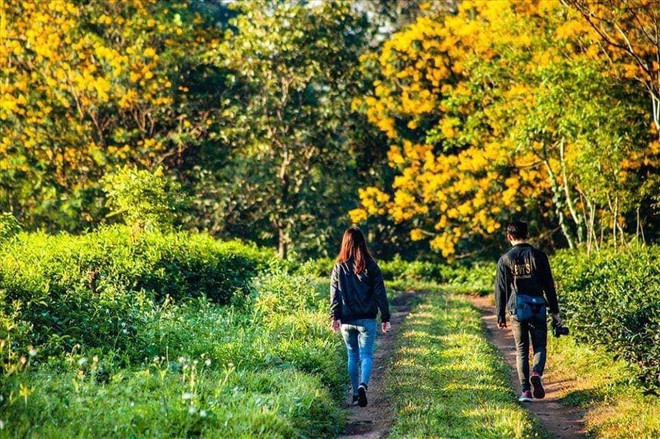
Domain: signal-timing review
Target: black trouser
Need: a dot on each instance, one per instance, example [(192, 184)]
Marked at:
[(537, 330)]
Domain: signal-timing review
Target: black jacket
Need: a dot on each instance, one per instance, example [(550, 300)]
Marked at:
[(354, 297), (523, 270)]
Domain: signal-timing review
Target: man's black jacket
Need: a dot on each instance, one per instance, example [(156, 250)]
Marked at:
[(354, 296), (523, 270)]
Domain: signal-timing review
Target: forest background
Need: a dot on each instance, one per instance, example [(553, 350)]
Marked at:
[(429, 123)]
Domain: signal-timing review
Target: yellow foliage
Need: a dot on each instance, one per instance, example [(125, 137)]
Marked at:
[(416, 234), (474, 188)]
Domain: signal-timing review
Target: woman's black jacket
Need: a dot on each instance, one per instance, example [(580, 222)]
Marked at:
[(354, 296)]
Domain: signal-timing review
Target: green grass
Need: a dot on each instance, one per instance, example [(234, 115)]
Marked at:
[(447, 381), (250, 370), (615, 406)]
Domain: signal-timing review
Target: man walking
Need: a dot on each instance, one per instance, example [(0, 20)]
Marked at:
[(523, 276)]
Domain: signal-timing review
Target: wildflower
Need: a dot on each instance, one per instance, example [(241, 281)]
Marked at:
[(2, 424), (192, 410), (202, 413), (82, 361), (187, 395), (208, 362), (32, 352), (95, 359)]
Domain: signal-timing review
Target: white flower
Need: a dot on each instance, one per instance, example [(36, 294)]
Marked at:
[(2, 424), (187, 395), (95, 359), (82, 361), (202, 413), (32, 352), (192, 410), (208, 362)]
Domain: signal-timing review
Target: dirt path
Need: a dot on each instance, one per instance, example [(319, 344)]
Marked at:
[(375, 420), (559, 420)]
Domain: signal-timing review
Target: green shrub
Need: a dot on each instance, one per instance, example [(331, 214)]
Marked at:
[(145, 200), (163, 334), (477, 277), (612, 299), (398, 269), (96, 289), (321, 267), (9, 226)]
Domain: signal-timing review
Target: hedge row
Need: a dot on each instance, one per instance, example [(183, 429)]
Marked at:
[(612, 299), (459, 278), (113, 335), (94, 289)]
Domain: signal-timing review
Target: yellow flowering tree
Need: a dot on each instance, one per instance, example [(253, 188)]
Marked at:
[(84, 87), (504, 109)]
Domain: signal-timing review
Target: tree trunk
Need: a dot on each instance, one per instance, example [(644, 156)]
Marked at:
[(283, 243), (577, 218), (557, 195)]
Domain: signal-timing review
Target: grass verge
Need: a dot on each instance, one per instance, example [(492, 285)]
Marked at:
[(448, 381), (615, 406), (269, 367)]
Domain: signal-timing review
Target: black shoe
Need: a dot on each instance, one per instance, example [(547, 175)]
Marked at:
[(362, 395), (537, 386), (355, 401)]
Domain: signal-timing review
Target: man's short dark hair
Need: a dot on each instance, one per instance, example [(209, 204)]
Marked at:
[(518, 230)]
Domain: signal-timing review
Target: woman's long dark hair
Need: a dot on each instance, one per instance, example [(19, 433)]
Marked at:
[(354, 247)]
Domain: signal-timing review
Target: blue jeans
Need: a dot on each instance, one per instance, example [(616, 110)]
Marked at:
[(359, 336)]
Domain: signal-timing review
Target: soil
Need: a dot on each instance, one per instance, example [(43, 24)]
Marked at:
[(562, 421), (375, 420)]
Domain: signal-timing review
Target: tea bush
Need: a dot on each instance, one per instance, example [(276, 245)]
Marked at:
[(262, 366), (612, 299), (477, 277), (398, 269), (9, 226), (95, 290)]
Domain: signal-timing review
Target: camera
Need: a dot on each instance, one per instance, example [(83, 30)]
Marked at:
[(558, 331)]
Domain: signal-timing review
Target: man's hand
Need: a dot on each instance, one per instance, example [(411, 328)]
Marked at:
[(386, 326), (501, 324), (557, 320), (336, 325)]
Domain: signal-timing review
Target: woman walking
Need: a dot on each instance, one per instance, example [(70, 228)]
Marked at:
[(357, 293)]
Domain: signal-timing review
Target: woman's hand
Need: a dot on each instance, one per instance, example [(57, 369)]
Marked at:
[(386, 326), (335, 325)]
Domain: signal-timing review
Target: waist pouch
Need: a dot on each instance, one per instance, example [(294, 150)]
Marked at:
[(530, 307)]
